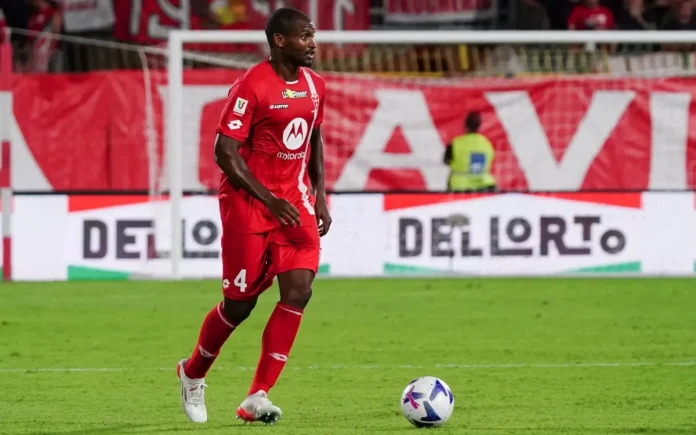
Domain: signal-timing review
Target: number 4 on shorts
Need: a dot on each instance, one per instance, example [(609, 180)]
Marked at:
[(240, 281)]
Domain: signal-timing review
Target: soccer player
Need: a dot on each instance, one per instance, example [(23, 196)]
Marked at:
[(269, 149)]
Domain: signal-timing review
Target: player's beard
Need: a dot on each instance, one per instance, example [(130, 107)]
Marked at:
[(306, 59)]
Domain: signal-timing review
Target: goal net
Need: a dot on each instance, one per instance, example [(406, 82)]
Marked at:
[(595, 112)]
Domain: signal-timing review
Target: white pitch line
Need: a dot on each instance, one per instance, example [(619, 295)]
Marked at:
[(366, 367)]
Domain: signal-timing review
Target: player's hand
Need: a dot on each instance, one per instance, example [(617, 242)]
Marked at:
[(285, 212), (321, 210)]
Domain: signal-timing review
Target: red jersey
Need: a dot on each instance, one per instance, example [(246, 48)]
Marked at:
[(597, 18), (274, 120)]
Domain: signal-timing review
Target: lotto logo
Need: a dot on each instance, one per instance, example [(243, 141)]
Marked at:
[(225, 283), (234, 125), (279, 356), (295, 133), (289, 93)]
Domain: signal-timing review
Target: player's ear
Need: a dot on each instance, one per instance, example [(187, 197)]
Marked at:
[(279, 40)]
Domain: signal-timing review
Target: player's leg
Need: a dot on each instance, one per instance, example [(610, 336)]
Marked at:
[(296, 264), (244, 278), (282, 327)]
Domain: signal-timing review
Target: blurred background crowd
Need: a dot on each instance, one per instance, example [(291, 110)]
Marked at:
[(48, 34)]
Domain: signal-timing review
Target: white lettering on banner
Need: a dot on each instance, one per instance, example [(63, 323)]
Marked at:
[(442, 11), (136, 12), (408, 110), (321, 12), (669, 113), (155, 28), (29, 175), (84, 15), (340, 7), (195, 99), (531, 145), (261, 6)]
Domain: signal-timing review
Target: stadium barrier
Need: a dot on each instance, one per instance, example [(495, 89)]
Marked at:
[(77, 237)]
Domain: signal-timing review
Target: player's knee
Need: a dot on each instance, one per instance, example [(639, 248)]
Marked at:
[(238, 311), (298, 296)]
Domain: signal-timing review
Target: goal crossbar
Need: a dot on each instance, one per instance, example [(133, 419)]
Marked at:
[(178, 37)]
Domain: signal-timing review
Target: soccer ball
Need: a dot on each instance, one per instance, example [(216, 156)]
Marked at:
[(427, 402)]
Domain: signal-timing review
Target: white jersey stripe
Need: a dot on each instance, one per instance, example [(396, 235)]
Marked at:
[(301, 185)]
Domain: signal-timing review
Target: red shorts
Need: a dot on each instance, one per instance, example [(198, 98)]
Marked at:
[(250, 261)]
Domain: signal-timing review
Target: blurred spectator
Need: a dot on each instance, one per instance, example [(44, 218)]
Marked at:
[(635, 16), (14, 13), (660, 8), (530, 15), (558, 12), (590, 15), (46, 21), (93, 19), (680, 17)]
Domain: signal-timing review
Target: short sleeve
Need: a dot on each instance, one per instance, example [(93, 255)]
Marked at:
[(321, 92), (238, 115), (320, 113)]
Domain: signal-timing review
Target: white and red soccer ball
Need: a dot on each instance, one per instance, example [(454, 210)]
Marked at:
[(427, 402)]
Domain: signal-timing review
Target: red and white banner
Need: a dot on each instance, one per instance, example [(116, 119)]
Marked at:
[(326, 14), (148, 21), (439, 11), (93, 131), (127, 237)]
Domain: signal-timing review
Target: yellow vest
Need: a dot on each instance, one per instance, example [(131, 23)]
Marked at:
[(472, 155)]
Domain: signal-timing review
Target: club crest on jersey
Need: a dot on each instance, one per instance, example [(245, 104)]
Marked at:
[(289, 93), (295, 133), (240, 106)]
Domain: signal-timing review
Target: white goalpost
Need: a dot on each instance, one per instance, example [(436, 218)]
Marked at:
[(593, 55)]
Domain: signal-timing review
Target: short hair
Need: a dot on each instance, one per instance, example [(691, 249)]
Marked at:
[(283, 21), (473, 121)]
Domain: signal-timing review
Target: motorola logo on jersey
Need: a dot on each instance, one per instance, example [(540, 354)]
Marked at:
[(291, 156), (295, 134)]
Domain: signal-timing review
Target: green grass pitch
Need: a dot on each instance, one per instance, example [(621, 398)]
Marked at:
[(522, 356)]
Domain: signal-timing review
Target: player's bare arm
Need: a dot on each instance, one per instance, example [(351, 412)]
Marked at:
[(316, 176), (235, 168)]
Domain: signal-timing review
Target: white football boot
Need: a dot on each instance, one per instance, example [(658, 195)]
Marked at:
[(257, 407), (192, 395)]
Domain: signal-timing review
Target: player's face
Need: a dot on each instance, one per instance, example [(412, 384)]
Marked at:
[(301, 47)]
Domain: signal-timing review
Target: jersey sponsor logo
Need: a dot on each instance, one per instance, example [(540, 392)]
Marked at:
[(279, 106), (235, 124), (289, 93), (291, 156), (295, 133), (240, 106)]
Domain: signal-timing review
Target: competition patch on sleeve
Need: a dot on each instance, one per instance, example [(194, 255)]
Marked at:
[(240, 106)]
